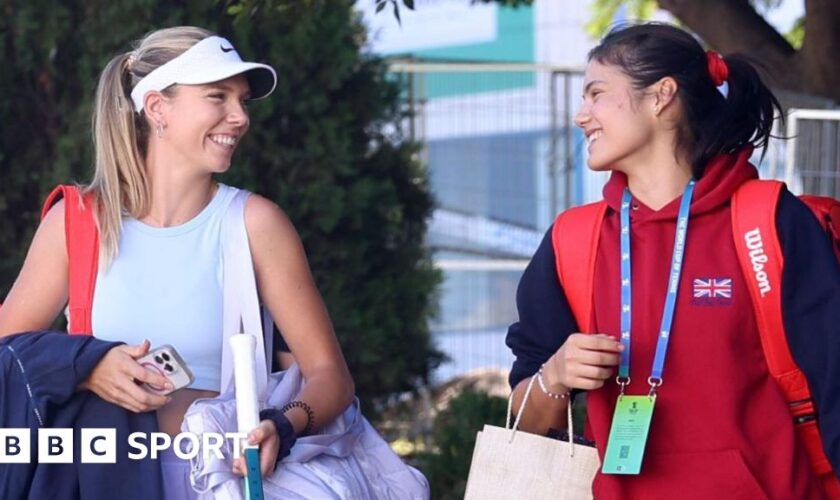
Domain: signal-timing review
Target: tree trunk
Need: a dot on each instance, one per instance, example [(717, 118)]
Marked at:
[(820, 71), (734, 26)]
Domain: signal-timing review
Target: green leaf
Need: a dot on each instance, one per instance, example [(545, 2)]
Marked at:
[(796, 35), (397, 12)]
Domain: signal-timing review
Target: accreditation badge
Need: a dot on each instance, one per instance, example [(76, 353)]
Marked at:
[(628, 434)]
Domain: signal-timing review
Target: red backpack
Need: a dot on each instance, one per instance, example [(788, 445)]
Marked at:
[(753, 219), (82, 235)]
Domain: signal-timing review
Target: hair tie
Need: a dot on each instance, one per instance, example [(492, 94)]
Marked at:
[(718, 69), (132, 56)]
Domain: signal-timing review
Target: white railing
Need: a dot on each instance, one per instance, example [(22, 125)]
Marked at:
[(795, 171)]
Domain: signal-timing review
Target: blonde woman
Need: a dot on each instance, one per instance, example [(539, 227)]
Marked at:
[(168, 115)]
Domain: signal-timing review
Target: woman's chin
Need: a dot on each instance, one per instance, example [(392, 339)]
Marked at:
[(219, 167), (597, 166)]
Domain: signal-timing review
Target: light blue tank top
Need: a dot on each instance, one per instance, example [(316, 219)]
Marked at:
[(166, 286)]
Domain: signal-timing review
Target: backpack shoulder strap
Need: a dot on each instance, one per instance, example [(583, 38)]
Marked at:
[(82, 235), (754, 207), (827, 211), (575, 238)]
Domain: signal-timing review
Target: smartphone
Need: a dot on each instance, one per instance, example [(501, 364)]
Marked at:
[(166, 361)]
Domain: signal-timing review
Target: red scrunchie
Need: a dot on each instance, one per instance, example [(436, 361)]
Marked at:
[(718, 69)]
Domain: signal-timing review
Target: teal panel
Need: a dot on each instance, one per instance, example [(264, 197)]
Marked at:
[(514, 43)]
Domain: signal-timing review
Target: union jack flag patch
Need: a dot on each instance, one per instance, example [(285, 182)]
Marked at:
[(712, 288)]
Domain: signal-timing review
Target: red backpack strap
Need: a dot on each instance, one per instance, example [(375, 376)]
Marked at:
[(575, 238), (754, 207), (827, 211), (82, 237), (760, 255)]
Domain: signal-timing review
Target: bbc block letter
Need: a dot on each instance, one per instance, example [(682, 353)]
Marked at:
[(55, 446), (99, 446), (14, 446)]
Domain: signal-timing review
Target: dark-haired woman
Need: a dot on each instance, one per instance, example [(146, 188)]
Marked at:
[(655, 115)]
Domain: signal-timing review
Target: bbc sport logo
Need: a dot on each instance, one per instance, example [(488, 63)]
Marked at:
[(99, 445)]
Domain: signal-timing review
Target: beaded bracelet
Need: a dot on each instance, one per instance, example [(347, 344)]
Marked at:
[(545, 389), (310, 415)]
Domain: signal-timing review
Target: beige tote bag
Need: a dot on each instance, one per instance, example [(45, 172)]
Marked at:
[(508, 464)]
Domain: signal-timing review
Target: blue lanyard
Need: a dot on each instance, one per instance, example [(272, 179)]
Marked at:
[(655, 380)]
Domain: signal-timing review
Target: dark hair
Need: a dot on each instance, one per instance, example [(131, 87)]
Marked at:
[(712, 123)]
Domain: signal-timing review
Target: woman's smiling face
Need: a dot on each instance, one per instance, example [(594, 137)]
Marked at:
[(612, 117), (206, 122)]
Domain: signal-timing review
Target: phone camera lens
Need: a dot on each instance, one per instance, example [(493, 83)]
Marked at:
[(158, 360), (165, 356), (167, 367)]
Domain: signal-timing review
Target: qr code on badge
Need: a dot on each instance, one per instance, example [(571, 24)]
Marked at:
[(624, 452)]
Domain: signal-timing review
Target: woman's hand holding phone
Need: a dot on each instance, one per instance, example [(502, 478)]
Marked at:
[(117, 375), (165, 361)]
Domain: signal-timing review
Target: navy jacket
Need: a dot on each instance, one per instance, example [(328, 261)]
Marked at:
[(39, 373)]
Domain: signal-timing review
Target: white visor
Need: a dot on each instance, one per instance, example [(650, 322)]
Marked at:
[(210, 60)]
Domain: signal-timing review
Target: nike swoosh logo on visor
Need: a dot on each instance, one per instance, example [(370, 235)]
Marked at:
[(225, 49)]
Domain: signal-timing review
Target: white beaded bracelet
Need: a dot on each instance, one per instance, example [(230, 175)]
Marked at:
[(545, 389)]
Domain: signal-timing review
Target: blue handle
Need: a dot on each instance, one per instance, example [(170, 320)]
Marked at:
[(253, 478)]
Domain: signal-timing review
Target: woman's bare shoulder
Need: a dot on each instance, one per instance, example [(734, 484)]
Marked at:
[(263, 216), (40, 291)]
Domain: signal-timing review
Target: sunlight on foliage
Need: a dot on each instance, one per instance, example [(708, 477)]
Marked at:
[(796, 35), (604, 11)]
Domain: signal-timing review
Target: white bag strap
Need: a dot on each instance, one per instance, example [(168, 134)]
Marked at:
[(241, 309), (521, 411), (268, 335)]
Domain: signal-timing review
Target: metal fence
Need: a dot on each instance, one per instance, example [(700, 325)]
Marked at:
[(503, 157), (812, 152)]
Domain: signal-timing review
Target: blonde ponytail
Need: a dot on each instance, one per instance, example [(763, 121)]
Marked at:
[(120, 135)]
